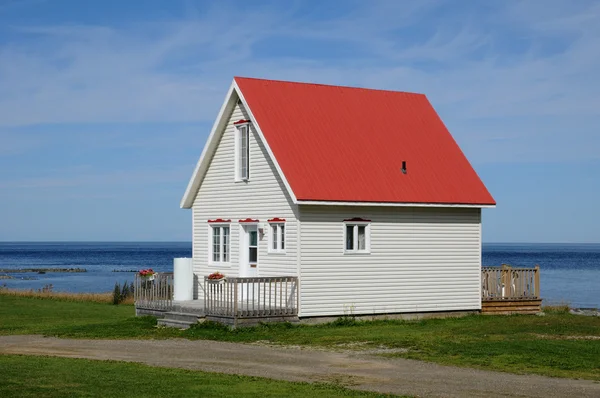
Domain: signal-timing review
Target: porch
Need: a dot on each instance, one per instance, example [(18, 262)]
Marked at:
[(248, 301), (510, 290), (231, 301)]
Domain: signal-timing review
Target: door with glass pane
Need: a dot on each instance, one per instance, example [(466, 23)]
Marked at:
[(249, 251)]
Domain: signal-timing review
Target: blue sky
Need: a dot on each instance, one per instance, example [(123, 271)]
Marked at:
[(105, 105)]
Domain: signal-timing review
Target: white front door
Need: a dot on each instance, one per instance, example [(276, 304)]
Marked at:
[(249, 251)]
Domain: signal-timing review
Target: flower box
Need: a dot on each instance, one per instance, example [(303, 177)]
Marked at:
[(216, 277), (147, 277), (148, 274)]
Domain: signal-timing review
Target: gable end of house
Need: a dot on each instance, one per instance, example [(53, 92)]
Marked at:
[(234, 95)]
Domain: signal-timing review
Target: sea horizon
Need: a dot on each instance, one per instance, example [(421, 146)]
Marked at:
[(189, 241), (570, 272)]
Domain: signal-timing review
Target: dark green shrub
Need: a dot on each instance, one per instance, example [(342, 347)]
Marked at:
[(116, 294), (125, 291)]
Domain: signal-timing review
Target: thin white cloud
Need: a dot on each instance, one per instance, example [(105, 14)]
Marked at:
[(74, 178), (487, 69)]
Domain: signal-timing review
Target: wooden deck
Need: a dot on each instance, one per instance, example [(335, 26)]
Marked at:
[(506, 307), (249, 301), (510, 290), (231, 301)]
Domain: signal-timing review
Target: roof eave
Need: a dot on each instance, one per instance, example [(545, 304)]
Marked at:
[(192, 188), (394, 204)]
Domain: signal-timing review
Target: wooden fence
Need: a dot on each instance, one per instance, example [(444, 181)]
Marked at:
[(156, 294), (242, 298), (508, 283)]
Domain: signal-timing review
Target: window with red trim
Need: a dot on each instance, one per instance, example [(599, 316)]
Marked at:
[(219, 246), (242, 151), (276, 237)]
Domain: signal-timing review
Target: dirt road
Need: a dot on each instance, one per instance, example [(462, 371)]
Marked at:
[(352, 369)]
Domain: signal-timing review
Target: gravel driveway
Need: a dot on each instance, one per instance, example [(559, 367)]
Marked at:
[(352, 369)]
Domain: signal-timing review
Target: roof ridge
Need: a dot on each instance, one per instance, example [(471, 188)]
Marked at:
[(328, 85)]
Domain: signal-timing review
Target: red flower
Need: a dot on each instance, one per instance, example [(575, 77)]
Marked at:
[(216, 275)]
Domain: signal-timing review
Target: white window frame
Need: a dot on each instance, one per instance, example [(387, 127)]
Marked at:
[(356, 224), (277, 237), (221, 262), (242, 128)]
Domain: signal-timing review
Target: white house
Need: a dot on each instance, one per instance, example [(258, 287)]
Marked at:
[(362, 194)]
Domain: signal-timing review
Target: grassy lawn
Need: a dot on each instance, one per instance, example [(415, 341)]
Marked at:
[(25, 376), (25, 315), (558, 344)]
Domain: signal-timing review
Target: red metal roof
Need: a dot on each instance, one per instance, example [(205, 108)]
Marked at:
[(348, 144)]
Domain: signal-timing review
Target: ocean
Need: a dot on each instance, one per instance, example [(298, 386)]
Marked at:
[(570, 273)]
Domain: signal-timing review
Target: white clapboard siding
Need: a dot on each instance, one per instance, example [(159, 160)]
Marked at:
[(422, 259), (262, 197)]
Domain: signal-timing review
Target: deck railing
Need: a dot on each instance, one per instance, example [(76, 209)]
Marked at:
[(510, 283), (239, 298), (156, 294)]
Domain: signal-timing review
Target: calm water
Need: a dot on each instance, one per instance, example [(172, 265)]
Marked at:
[(570, 273), (99, 259)]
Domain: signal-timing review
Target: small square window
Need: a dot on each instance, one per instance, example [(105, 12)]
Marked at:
[(357, 237)]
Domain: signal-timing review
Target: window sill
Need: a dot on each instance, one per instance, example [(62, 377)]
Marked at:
[(241, 180), (280, 253), (221, 265), (355, 253)]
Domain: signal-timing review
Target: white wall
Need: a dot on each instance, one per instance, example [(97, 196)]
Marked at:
[(262, 197), (422, 259)]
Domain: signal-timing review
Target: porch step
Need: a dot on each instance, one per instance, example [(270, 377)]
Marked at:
[(182, 316), (180, 320), (173, 323)]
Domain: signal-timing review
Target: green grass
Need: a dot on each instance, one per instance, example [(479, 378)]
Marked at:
[(26, 376), (558, 344)]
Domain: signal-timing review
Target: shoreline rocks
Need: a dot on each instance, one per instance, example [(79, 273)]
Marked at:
[(40, 270), (585, 311)]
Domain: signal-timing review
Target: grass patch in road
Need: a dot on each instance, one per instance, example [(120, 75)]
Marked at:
[(32, 376), (558, 344)]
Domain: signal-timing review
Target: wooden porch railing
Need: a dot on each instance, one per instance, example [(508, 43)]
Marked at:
[(239, 298), (154, 294), (508, 283)]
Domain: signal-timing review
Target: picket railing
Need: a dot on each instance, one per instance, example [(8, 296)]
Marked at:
[(155, 294), (239, 298), (510, 283)]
